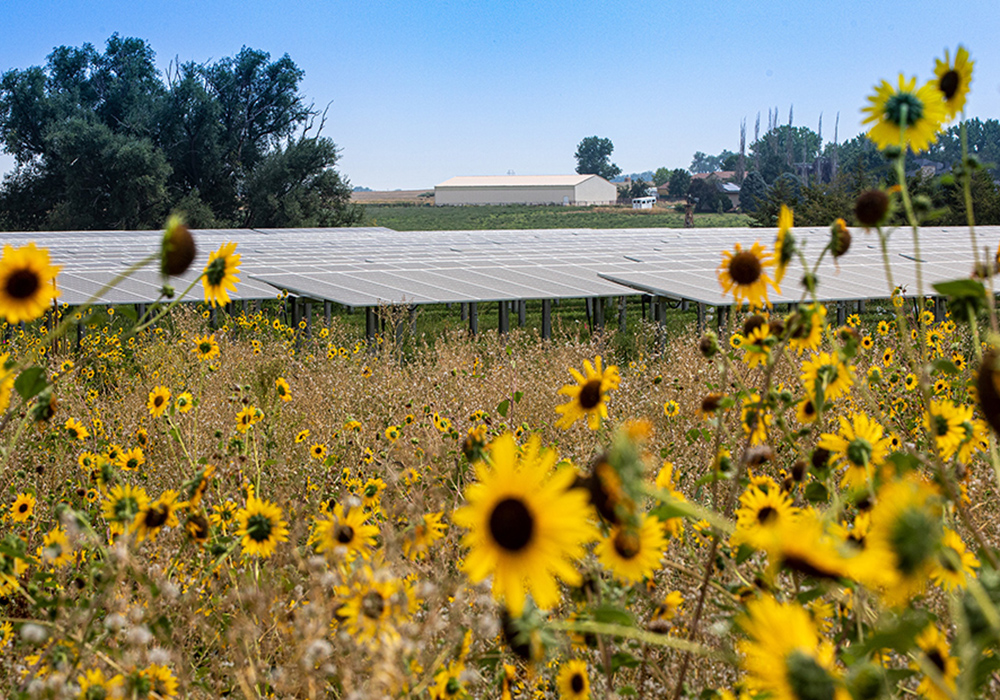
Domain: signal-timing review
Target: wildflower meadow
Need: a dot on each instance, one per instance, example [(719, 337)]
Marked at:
[(784, 509)]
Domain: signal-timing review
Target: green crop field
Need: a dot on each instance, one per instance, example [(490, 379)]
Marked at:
[(411, 217)]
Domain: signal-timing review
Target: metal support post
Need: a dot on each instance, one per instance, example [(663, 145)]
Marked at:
[(622, 314), (327, 312), (503, 320), (473, 317), (599, 313), (546, 319), (370, 323), (522, 312)]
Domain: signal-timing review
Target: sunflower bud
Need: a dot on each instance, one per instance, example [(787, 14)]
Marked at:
[(709, 344), (871, 208), (840, 238), (177, 250)]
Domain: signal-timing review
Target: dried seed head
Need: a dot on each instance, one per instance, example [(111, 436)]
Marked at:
[(177, 249), (871, 208)]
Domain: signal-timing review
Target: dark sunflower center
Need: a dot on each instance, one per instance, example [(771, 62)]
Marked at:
[(371, 491), (372, 605), (216, 271), (511, 524), (590, 394), (205, 348), (452, 687), (940, 425), (198, 526), (155, 517), (766, 515), (23, 508), (158, 400), (95, 692), (904, 109), (22, 284), (133, 463), (627, 544), (936, 658), (344, 534), (808, 409), (576, 683), (859, 452), (745, 268), (949, 84), (259, 527), (913, 538)]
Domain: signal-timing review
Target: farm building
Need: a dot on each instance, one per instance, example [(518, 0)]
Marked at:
[(526, 189)]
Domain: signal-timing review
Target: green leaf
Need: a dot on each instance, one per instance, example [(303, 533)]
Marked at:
[(904, 462), (957, 289), (627, 690), (899, 636), (744, 552), (666, 511), (945, 366), (622, 659), (31, 382), (612, 615), (517, 396), (128, 312), (816, 492), (503, 407)]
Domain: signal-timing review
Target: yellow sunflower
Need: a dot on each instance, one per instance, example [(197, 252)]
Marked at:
[(23, 507), (760, 512), (345, 535), (784, 245), (159, 401), (94, 684), (588, 395), (744, 273), (205, 347), (159, 514), (953, 79), (905, 116), (805, 328), (122, 505), (826, 375), (633, 553), (7, 378), (27, 283), (525, 526), (247, 417), (946, 421), (784, 654), (572, 680), (859, 445), (284, 391), (934, 645), (184, 402), (260, 527), (755, 418), (220, 277), (954, 562), (75, 429), (428, 530), (56, 549)]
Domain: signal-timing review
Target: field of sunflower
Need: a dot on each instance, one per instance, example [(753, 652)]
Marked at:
[(793, 511)]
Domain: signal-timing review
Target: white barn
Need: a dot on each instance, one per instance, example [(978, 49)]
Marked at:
[(526, 189)]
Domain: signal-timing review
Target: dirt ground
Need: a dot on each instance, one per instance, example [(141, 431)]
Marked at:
[(394, 197)]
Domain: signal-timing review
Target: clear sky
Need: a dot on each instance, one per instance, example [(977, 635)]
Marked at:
[(423, 91)]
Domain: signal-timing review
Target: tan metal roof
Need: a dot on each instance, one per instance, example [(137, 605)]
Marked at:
[(516, 181)]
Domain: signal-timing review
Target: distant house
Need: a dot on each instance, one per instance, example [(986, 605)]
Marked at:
[(720, 175), (525, 189), (725, 184)]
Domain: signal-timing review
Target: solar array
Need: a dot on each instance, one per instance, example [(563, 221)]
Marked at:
[(367, 267)]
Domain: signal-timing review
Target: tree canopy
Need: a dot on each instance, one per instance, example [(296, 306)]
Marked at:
[(593, 157), (104, 140)]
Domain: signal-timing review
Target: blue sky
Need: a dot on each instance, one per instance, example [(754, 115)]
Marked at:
[(421, 92)]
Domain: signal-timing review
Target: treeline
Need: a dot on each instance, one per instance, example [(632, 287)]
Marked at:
[(105, 141)]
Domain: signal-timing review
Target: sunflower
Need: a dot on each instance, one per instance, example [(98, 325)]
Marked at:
[(887, 356), (784, 654), (757, 345), (633, 553), (7, 379), (671, 408), (317, 451), (220, 277), (374, 606), (903, 541), (760, 512), (159, 514), (448, 682), (744, 273), (131, 460), (94, 684), (392, 433), (56, 549), (572, 680), (162, 680), (159, 401), (75, 429), (755, 419), (260, 527), (953, 79), (205, 347), (805, 328), (525, 526), (826, 375), (859, 445), (588, 395), (223, 514), (784, 245), (248, 416), (345, 535), (184, 402), (954, 562), (883, 328), (418, 539), (302, 436), (801, 543), (23, 507), (284, 391), (122, 505), (946, 421), (905, 116), (934, 646), (27, 283)]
